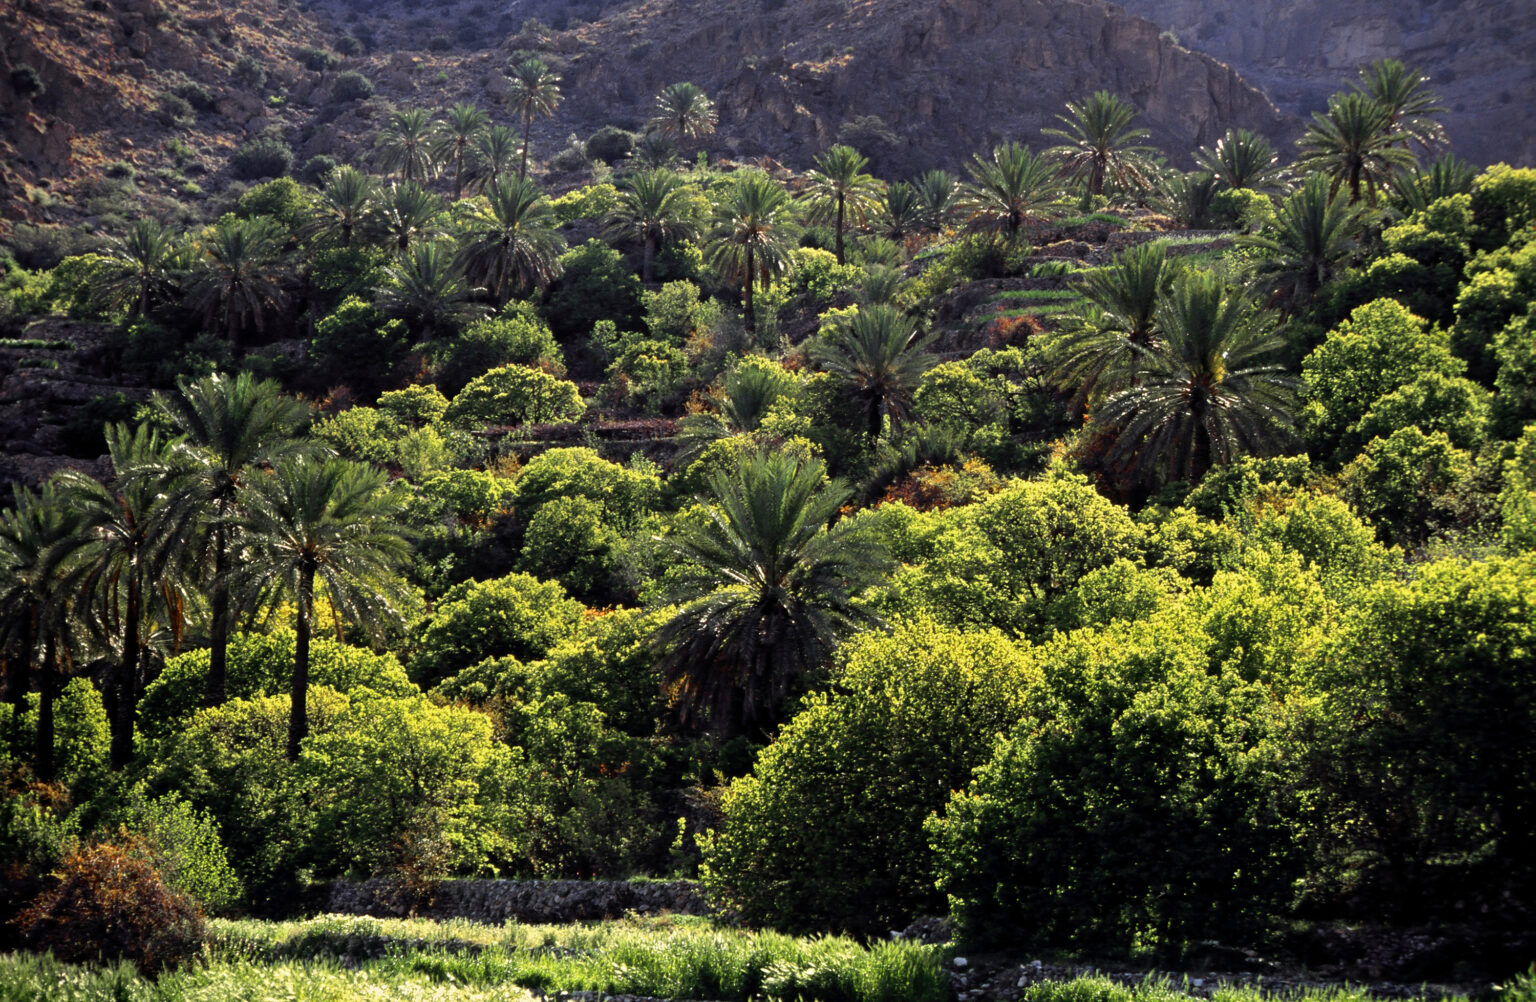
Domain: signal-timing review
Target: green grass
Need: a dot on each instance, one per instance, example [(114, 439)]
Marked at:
[(34, 343), (1037, 294)]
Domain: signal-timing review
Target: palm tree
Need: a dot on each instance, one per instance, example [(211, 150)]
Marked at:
[(406, 145), (838, 191), (901, 211), (1011, 190), (1416, 189), (683, 111), (1100, 145), (239, 284), (878, 353), (456, 137), (427, 289), (143, 268), (1107, 346), (345, 208), (493, 153), (765, 592), (653, 151), (35, 603), (1243, 159), (1410, 104), (748, 242), (406, 213), (512, 244), (535, 93), (653, 208), (331, 521), (939, 191), (745, 397), (1208, 391), (1354, 145), (1311, 236), (1189, 198), (122, 561), (230, 426)]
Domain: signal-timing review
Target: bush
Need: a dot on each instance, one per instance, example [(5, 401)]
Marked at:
[(174, 110), (628, 495), (194, 94), (184, 847), (610, 144), (349, 45), (110, 903), (595, 285), (516, 615), (249, 70), (569, 540), (351, 86), (315, 59), (514, 395), (260, 158), (358, 345), (316, 169), (516, 337), (26, 81)]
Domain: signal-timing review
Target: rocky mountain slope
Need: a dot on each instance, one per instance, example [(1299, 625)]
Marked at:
[(1477, 53)]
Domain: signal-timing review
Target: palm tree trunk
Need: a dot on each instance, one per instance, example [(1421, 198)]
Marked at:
[(21, 682), (522, 170), (458, 173), (45, 696), (645, 259), (218, 655), (126, 682), (298, 716), (838, 240), (748, 315)]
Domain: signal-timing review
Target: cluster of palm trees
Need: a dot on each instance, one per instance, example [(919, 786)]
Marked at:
[(215, 509)]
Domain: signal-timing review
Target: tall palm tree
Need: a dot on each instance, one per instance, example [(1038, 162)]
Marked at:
[(748, 243), (345, 208), (839, 191), (143, 269), (878, 352), (1208, 390), (427, 289), (239, 283), (329, 521), (1243, 159), (512, 244), (1353, 145), (1411, 105), (492, 155), (900, 211), (230, 426), (1107, 346), (683, 111), (406, 145), (1099, 144), (1013, 189), (407, 212), (456, 136), (1313, 233), (765, 592), (940, 192), (122, 560), (35, 604), (653, 208), (535, 94)]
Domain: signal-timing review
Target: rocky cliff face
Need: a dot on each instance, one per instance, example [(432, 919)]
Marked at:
[(948, 77), (1477, 53)]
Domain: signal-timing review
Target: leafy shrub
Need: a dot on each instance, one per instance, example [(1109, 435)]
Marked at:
[(26, 81), (262, 157), (515, 615), (349, 45), (315, 59), (595, 285), (184, 847), (515, 337), (473, 497), (610, 144), (249, 69), (174, 110), (316, 169), (569, 540), (109, 902), (351, 86), (357, 344), (416, 406), (627, 494), (194, 94), (513, 395)]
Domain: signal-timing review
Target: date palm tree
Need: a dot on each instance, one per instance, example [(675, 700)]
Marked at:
[(741, 402), (900, 212), (1013, 189), (1209, 391), (877, 352), (494, 151), (144, 268), (1189, 198), (653, 208), (749, 242), (1243, 159), (1099, 145), (1312, 235), (239, 281), (455, 139), (1353, 145), (407, 212), (765, 592), (1416, 189), (512, 244), (1411, 105), (345, 209), (406, 145), (331, 522), (535, 94), (1105, 347), (838, 191), (230, 427), (426, 288), (939, 191), (683, 111)]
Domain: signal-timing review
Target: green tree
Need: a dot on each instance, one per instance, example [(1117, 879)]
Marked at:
[(239, 279), (493, 152), (456, 136), (345, 209), (654, 208), (1411, 106), (878, 353), (514, 616), (743, 399), (514, 395), (1209, 391), (749, 243), (1243, 159), (535, 94), (683, 111), (1106, 347), (426, 287), (517, 335), (839, 192), (229, 426), (1312, 234), (512, 244), (144, 270), (1008, 193), (406, 213), (1353, 145), (940, 193), (1405, 483), (1100, 146), (331, 521), (765, 590), (405, 144)]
